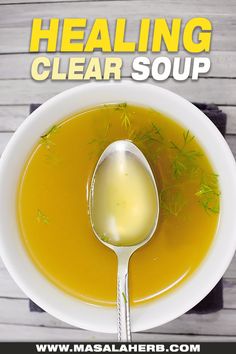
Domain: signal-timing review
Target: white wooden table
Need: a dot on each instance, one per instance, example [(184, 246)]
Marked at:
[(17, 91)]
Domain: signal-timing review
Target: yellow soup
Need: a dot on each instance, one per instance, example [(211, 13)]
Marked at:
[(52, 204)]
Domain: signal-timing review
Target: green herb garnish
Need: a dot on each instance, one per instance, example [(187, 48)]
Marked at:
[(157, 131), (182, 156), (42, 218), (125, 116), (172, 200), (104, 238), (102, 141), (208, 194), (46, 137), (151, 141), (185, 159), (52, 130), (124, 297), (152, 135)]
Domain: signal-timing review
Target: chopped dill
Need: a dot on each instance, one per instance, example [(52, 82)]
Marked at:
[(104, 238), (150, 136), (124, 297), (46, 137), (125, 116), (178, 168), (125, 120), (42, 218), (187, 137), (121, 106), (208, 194), (172, 200), (204, 189), (151, 110), (102, 141), (52, 130), (185, 159), (157, 131)]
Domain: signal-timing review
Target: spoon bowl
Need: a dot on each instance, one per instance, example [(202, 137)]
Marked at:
[(123, 148)]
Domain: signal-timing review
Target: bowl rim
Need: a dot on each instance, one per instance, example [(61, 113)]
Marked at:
[(54, 300)]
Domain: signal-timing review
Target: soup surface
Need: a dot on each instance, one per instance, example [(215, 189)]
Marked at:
[(52, 204)]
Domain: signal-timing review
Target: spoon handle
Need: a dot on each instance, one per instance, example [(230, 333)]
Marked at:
[(124, 332)]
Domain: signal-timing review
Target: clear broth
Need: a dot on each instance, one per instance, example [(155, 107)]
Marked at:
[(52, 204)]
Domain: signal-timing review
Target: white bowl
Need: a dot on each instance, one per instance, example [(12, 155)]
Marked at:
[(55, 301)]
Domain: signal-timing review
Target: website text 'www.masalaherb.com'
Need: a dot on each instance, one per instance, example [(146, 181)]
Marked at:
[(118, 348)]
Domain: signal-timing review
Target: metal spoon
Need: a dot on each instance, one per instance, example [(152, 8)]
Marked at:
[(123, 252)]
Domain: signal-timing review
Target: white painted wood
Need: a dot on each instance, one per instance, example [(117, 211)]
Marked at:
[(19, 2), (16, 333), (16, 311), (18, 66), (211, 5), (4, 138), (231, 119), (8, 288), (231, 140), (220, 323), (208, 90), (229, 293), (12, 116), (16, 21), (16, 95), (194, 4), (231, 271), (162, 7)]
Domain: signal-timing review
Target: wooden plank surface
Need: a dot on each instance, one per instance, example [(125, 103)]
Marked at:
[(229, 293), (16, 19), (231, 118), (16, 311), (211, 5), (12, 116), (4, 138), (33, 333), (19, 2), (18, 91)]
